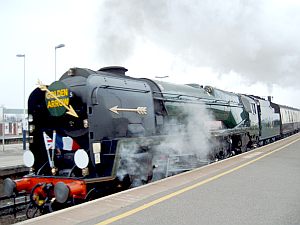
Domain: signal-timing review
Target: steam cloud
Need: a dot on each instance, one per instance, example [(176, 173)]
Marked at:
[(257, 39), (186, 146)]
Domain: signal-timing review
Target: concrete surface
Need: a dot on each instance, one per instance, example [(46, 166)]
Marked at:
[(258, 187)]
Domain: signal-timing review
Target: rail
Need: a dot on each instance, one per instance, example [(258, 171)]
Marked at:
[(12, 205)]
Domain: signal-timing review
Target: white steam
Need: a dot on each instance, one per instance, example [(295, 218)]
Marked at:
[(257, 39), (193, 133), (184, 146)]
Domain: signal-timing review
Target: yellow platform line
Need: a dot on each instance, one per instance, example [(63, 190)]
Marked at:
[(166, 197)]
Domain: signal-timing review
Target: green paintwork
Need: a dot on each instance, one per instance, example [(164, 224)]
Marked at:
[(54, 106), (231, 112)]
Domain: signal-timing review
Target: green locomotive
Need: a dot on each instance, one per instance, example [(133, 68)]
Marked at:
[(97, 132)]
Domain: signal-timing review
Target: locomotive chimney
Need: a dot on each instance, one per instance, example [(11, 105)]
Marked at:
[(119, 70), (270, 98)]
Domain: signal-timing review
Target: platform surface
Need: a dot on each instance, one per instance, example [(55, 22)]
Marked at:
[(11, 159), (258, 187)]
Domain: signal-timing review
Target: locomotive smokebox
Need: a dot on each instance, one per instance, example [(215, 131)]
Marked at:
[(119, 70), (270, 98)]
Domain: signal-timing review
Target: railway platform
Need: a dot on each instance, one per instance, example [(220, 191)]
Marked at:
[(258, 187), (11, 159), (11, 163)]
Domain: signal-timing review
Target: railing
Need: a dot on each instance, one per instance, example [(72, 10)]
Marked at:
[(15, 139)]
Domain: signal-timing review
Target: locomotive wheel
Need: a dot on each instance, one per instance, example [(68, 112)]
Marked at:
[(35, 199), (91, 195), (31, 210), (229, 153), (39, 200), (136, 182)]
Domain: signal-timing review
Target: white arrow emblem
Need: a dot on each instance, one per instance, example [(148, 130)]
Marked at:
[(139, 110)]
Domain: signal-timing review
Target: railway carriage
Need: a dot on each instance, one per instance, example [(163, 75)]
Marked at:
[(290, 120)]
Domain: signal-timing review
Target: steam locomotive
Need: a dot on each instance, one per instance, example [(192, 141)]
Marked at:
[(97, 132)]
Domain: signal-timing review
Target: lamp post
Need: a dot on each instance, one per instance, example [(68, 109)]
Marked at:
[(56, 47), (23, 122)]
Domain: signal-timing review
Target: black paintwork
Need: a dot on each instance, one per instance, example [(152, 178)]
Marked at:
[(245, 119)]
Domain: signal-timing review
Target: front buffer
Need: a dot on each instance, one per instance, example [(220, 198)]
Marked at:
[(47, 193)]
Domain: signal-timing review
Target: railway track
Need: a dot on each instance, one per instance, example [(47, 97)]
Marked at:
[(13, 210)]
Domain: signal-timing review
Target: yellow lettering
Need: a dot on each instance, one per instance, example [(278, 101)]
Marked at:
[(57, 93), (48, 95), (57, 98), (66, 101), (57, 103)]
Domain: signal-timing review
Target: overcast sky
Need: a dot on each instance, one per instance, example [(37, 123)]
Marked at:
[(249, 46)]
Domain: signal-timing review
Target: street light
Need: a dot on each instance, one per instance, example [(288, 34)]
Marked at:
[(56, 47), (23, 122)]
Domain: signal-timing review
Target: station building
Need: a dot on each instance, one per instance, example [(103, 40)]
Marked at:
[(11, 122)]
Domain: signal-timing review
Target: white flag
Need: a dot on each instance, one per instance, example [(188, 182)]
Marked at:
[(48, 141), (48, 144)]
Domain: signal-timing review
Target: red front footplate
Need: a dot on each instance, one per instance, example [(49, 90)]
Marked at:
[(77, 187)]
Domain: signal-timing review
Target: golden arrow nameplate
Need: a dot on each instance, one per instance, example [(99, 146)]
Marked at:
[(139, 110), (70, 109)]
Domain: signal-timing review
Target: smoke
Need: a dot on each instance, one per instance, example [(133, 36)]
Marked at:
[(257, 39), (184, 145), (188, 143), (192, 126)]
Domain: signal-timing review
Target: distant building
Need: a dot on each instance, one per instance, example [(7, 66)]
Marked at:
[(11, 121)]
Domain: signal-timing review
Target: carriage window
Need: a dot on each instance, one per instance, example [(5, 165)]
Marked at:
[(253, 108)]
